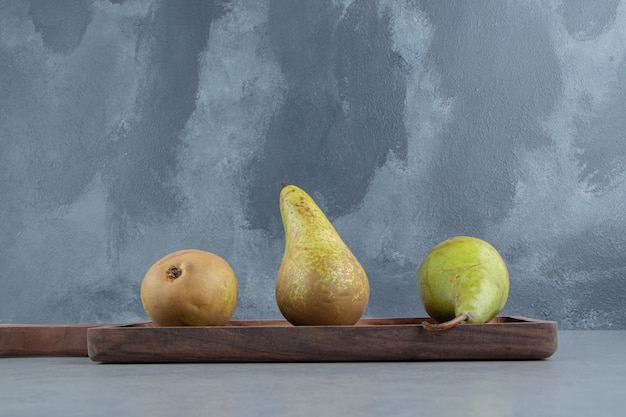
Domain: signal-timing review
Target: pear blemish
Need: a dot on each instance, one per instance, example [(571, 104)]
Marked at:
[(173, 272)]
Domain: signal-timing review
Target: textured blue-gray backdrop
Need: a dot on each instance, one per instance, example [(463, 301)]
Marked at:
[(133, 128)]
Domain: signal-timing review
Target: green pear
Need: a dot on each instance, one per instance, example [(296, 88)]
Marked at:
[(462, 279), (320, 281)]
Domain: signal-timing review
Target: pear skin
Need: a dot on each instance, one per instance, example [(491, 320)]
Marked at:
[(320, 281), (462, 280)]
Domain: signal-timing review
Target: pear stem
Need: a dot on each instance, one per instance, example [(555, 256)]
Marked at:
[(436, 327)]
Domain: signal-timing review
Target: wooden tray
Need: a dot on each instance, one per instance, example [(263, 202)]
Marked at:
[(44, 339), (385, 339)]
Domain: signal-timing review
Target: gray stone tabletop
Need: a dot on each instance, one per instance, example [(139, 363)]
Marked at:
[(586, 376)]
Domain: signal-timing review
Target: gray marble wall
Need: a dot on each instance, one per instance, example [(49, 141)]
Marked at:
[(132, 128)]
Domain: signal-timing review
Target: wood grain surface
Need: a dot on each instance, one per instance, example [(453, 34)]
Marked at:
[(44, 339), (384, 339)]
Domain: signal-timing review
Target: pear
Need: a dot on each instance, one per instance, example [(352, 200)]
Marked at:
[(190, 287), (320, 281), (462, 280)]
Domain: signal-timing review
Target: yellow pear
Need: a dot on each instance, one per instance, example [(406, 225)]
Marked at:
[(462, 280), (190, 287), (320, 281)]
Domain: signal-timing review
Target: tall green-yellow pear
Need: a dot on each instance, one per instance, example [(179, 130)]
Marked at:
[(462, 279), (320, 281)]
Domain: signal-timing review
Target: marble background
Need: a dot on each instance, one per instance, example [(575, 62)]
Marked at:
[(133, 128)]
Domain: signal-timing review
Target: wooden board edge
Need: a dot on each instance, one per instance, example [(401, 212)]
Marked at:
[(529, 339), (384, 321), (44, 339)]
